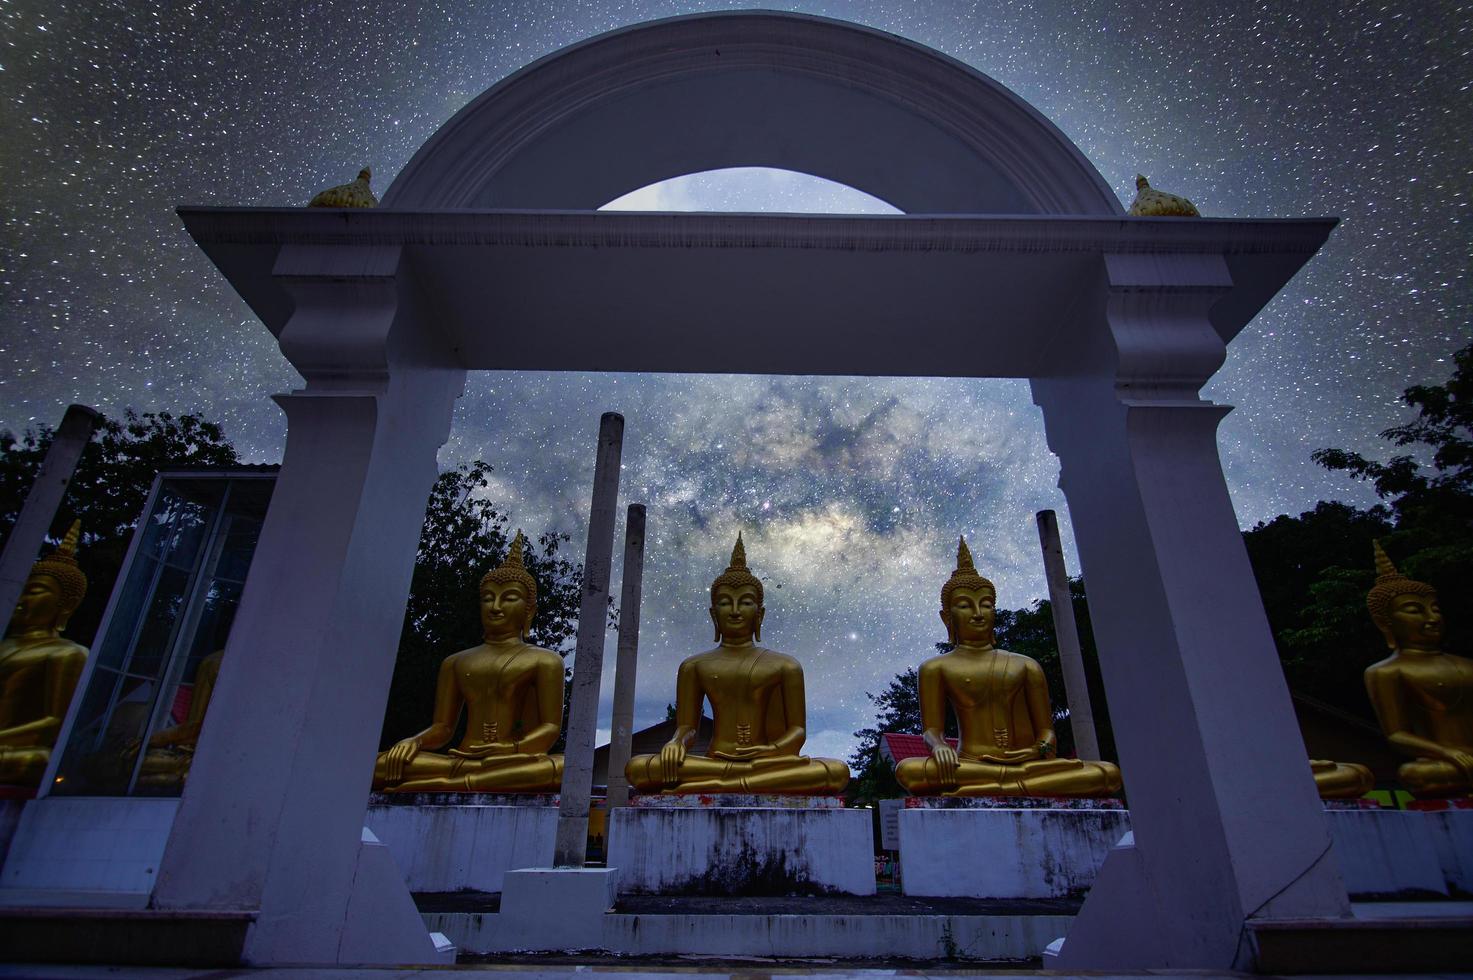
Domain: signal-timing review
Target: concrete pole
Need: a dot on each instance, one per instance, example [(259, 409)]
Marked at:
[(572, 824), (622, 734), (70, 438), (1066, 633)]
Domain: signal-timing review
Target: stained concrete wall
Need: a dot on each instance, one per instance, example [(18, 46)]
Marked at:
[(451, 848), (742, 851)]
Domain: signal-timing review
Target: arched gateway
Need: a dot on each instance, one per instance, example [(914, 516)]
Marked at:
[(1014, 259)]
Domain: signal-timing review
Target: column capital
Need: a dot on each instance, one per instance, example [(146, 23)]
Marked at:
[(1158, 311), (346, 298)]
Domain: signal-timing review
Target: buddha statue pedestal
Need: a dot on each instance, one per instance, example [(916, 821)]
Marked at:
[(447, 842), (1015, 847), (711, 845), (742, 850), (1386, 853)]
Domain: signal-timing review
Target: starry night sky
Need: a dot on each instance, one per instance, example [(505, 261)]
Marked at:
[(851, 492)]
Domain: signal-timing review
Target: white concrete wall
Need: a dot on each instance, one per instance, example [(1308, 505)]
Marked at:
[(451, 848), (1452, 838), (730, 850), (891, 937), (88, 844), (1056, 853), (1005, 853)]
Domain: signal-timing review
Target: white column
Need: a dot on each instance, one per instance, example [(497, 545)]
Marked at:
[(1226, 819), (1066, 634), (272, 815), (626, 664), (39, 510), (571, 849)]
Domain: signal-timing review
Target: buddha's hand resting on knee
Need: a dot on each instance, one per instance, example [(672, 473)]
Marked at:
[(398, 757), (672, 756), (946, 763)]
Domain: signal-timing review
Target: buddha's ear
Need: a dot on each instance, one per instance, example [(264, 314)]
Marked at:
[(950, 629), (715, 623), (757, 627), (1390, 639)]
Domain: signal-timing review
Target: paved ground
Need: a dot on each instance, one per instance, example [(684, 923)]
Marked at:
[(574, 972)]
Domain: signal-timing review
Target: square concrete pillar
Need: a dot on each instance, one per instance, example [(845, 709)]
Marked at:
[(1226, 819), (272, 816)]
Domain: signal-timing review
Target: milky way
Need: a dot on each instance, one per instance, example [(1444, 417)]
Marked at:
[(851, 492)]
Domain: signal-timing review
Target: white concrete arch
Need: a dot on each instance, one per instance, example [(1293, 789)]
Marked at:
[(895, 119)]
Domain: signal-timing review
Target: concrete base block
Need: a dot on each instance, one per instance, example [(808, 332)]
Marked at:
[(382, 924), (742, 851), (554, 909), (89, 845), (1387, 852), (1452, 838), (9, 819), (977, 938), (452, 848), (994, 853)]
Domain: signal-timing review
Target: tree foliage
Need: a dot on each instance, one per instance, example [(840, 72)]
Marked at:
[(108, 489), (1314, 570)]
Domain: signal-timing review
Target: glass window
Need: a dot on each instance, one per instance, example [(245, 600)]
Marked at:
[(160, 650)]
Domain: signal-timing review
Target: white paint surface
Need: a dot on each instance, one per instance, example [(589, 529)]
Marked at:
[(730, 850), (450, 848), (1005, 853)]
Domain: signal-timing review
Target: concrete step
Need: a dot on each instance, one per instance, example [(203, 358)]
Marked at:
[(140, 937), (1389, 937)]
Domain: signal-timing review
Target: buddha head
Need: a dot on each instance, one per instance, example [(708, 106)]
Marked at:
[(53, 590), (736, 600), (1403, 609), (508, 596), (968, 601)]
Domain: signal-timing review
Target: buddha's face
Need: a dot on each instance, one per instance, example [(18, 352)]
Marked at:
[(737, 613), (1416, 622), (503, 610), (970, 614), (39, 606)]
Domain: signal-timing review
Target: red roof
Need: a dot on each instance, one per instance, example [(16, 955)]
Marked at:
[(897, 746)]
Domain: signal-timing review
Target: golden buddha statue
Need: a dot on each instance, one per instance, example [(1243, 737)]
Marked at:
[(39, 669), (1422, 696), (512, 693), (1002, 707), (757, 706), (171, 750), (1341, 780)]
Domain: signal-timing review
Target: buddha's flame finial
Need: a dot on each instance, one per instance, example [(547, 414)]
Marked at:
[(1390, 583), (964, 556), (68, 546), (1384, 568), (738, 554), (62, 565), (514, 556)]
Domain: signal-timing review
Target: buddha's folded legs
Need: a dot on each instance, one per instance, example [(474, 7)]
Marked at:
[(699, 774), (23, 765), (1045, 777), (430, 772), (1434, 777), (1341, 780)]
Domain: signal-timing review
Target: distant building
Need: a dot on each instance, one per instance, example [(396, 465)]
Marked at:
[(647, 741)]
